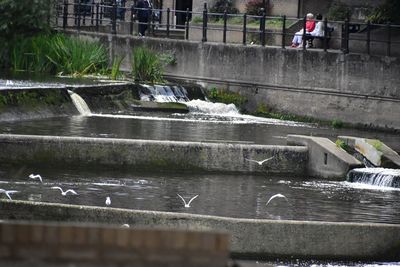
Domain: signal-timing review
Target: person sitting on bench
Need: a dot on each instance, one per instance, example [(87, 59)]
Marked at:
[(310, 26), (317, 32)]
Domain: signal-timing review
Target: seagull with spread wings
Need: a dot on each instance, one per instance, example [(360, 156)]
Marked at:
[(187, 205), (64, 193), (260, 162)]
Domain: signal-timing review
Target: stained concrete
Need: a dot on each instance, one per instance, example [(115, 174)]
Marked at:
[(267, 239), (152, 155), (325, 158)]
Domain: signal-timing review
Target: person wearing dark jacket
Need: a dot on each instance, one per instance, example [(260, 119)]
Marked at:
[(143, 15)]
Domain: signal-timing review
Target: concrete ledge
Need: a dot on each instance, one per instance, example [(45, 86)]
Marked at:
[(267, 239), (151, 154), (62, 244), (384, 156), (325, 158)]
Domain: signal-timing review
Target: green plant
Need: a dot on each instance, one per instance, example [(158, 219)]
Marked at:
[(197, 19), (115, 72), (167, 59), (387, 12), (342, 144), (339, 11), (337, 124), (146, 65)]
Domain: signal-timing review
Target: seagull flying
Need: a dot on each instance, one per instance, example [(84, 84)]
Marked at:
[(66, 192), (187, 205), (108, 201), (8, 192), (275, 196), (36, 176), (260, 162)]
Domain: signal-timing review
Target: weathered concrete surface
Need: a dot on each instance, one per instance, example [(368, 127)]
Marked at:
[(261, 238), (152, 154), (31, 103), (325, 158), (352, 88), (385, 156)]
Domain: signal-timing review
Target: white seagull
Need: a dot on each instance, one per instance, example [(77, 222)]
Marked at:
[(108, 201), (260, 162), (275, 196), (8, 192), (64, 193), (36, 176), (187, 205)]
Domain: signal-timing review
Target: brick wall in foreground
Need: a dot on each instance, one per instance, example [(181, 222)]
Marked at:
[(43, 244)]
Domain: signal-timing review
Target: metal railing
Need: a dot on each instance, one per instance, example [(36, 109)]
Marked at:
[(253, 29)]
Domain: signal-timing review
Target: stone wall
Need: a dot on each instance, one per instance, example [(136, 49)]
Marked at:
[(61, 244), (151, 155), (353, 88)]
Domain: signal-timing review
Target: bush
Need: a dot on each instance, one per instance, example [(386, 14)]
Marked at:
[(343, 145), (388, 12), (222, 5), (337, 124), (253, 7), (339, 12), (226, 97)]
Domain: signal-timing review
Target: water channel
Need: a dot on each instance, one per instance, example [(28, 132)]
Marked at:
[(240, 196)]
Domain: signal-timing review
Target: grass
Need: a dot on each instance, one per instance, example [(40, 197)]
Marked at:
[(275, 23), (341, 144), (115, 69), (378, 145)]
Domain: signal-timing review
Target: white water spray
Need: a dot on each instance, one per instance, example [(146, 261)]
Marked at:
[(375, 176), (80, 104)]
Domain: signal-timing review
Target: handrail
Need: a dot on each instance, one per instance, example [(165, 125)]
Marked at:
[(251, 26)]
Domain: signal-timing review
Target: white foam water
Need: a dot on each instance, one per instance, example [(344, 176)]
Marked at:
[(382, 177), (204, 107), (80, 104)]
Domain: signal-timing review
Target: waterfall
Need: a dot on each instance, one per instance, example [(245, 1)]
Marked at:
[(80, 104), (163, 93), (375, 176), (201, 106)]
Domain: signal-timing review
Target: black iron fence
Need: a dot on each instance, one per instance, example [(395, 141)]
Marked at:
[(346, 36)]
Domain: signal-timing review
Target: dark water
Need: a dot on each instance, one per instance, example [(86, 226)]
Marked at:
[(185, 128), (240, 196)]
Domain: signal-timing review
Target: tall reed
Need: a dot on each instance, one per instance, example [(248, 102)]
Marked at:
[(146, 65)]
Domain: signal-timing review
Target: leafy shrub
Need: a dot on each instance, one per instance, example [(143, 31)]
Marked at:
[(337, 124), (146, 65), (221, 5), (253, 7), (339, 11), (115, 69), (388, 12)]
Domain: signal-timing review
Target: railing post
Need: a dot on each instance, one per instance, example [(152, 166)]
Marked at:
[(262, 27), (84, 6), (97, 16), (92, 12), (131, 20), (65, 14), (304, 42), (325, 34), (283, 31), (389, 37), (168, 18), (345, 46), (149, 10), (368, 37), (224, 29), (187, 24), (244, 29), (114, 18), (79, 15), (101, 11), (205, 20)]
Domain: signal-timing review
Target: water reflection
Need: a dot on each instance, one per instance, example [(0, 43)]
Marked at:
[(222, 195)]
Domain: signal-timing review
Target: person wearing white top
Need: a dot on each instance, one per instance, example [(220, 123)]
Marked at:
[(317, 32)]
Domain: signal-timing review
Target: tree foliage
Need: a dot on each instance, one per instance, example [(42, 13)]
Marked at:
[(221, 5), (24, 17)]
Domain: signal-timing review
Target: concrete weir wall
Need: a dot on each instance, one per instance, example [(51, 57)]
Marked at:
[(248, 237), (151, 154), (352, 88)]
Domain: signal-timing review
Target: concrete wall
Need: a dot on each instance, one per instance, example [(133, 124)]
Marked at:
[(353, 88), (261, 238), (61, 244), (151, 155)]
